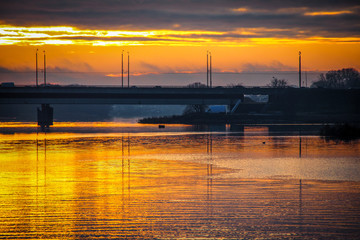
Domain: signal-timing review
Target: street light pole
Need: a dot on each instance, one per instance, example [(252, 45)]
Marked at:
[(210, 71), (37, 76), (299, 69), (122, 68), (44, 69), (207, 68), (128, 70)]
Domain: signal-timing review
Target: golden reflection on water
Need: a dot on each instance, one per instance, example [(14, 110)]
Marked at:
[(177, 185)]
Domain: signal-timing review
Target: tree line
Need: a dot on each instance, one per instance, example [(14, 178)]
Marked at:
[(335, 79), (342, 78)]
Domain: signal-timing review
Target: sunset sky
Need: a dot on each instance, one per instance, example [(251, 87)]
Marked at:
[(167, 37)]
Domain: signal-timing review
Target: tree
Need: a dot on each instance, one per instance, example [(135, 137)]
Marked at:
[(196, 85), (235, 86), (196, 108), (278, 83), (344, 78)]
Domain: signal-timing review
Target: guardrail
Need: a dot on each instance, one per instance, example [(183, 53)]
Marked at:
[(135, 86)]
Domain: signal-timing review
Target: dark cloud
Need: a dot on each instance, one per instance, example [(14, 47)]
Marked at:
[(273, 67), (214, 15), (15, 70), (5, 70), (154, 68), (74, 66), (84, 67)]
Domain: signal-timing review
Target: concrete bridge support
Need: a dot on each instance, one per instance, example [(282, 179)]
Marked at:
[(45, 116)]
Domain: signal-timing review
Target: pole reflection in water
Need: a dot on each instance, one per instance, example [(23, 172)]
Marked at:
[(122, 171), (300, 184), (37, 162), (129, 166), (300, 146), (300, 207), (44, 161), (125, 147), (209, 166), (41, 160)]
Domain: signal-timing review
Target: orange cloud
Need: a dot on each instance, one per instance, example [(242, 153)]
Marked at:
[(241, 10), (327, 13)]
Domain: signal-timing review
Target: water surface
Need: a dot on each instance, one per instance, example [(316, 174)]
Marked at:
[(110, 180)]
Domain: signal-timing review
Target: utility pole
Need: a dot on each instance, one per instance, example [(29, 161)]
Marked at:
[(299, 69), (37, 76), (210, 71), (128, 69), (44, 69), (122, 68), (207, 68)]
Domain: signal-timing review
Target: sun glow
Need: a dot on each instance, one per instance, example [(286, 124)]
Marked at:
[(10, 35), (65, 35)]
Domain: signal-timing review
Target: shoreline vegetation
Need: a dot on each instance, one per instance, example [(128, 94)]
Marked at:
[(344, 127), (332, 101), (255, 118), (343, 131)]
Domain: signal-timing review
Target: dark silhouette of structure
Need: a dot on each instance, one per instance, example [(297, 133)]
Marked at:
[(299, 69), (208, 69), (284, 104), (45, 116)]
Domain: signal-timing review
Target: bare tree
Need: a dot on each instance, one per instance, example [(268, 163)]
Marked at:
[(278, 83), (196, 108), (239, 85), (196, 85), (344, 78)]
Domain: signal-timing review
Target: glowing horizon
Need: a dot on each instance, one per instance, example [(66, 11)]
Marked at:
[(68, 35)]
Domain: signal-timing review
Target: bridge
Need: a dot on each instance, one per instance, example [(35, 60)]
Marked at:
[(284, 99), (115, 95), (135, 95)]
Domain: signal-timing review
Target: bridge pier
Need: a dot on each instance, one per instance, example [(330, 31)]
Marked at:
[(45, 116)]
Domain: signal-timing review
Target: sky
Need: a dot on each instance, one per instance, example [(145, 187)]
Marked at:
[(167, 41)]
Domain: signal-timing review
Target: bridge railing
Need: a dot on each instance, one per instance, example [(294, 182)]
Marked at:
[(134, 86)]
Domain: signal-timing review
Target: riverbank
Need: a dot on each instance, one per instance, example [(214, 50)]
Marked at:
[(256, 118), (341, 131)]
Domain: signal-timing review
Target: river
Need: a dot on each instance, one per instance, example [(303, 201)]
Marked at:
[(123, 180)]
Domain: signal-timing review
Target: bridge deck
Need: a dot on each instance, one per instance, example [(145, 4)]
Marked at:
[(112, 95)]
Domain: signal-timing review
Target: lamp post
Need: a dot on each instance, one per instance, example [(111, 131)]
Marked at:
[(210, 71), (37, 76), (299, 69), (122, 68), (128, 69), (44, 69), (207, 68)]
